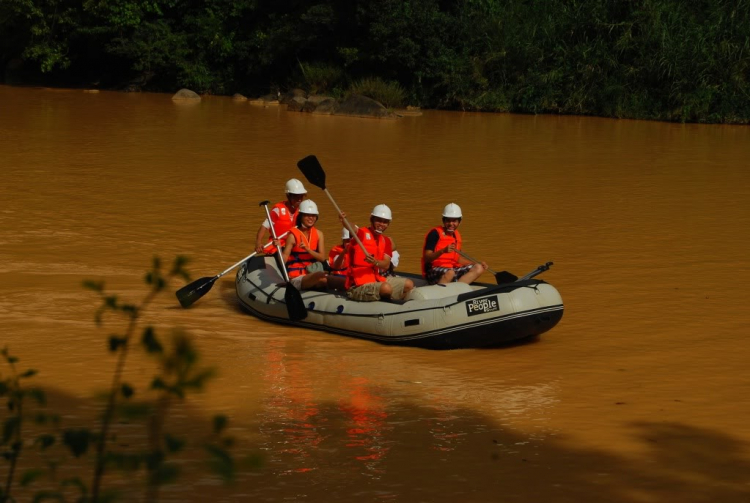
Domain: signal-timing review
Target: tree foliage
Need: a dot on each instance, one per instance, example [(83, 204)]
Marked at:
[(661, 59)]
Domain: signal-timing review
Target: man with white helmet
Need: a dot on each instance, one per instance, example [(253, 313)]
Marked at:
[(283, 216), (441, 261), (303, 250), (365, 280)]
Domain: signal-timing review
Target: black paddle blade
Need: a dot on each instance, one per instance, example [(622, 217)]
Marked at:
[(313, 171), (505, 277), (294, 303), (188, 294)]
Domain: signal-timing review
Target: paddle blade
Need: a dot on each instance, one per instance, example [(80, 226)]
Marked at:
[(188, 294), (503, 277), (313, 171), (294, 303)]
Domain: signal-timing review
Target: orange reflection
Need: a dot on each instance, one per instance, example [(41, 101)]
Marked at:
[(291, 410), (368, 428)]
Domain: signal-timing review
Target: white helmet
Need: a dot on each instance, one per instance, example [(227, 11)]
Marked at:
[(308, 207), (382, 211), (345, 234), (452, 211), (294, 186)]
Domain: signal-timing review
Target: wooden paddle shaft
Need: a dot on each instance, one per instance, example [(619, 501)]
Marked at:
[(473, 260), (346, 223)]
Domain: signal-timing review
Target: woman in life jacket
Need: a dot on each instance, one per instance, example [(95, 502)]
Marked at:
[(283, 216), (441, 262), (365, 280), (303, 250)]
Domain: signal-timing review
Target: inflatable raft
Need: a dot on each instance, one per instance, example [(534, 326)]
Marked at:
[(450, 316)]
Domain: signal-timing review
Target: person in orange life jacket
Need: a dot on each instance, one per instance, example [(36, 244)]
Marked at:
[(390, 249), (338, 262), (364, 281), (283, 216), (302, 249), (441, 263)]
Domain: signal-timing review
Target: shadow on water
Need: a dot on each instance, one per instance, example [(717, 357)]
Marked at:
[(369, 447), (415, 453), (376, 444)]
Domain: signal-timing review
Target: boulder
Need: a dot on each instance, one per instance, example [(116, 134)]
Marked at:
[(296, 104), (239, 97), (186, 94), (288, 96), (357, 105), (318, 98), (326, 107)]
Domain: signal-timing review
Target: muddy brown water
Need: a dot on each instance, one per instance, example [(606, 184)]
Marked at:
[(638, 395)]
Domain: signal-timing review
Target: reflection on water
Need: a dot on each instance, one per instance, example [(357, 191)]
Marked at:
[(368, 432), (635, 397)]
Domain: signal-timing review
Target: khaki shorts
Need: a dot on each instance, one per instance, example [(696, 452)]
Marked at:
[(370, 292)]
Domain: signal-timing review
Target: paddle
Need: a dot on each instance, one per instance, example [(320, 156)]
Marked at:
[(295, 306), (188, 294), (313, 171), (537, 271), (501, 277)]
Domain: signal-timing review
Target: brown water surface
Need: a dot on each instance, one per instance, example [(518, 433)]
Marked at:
[(638, 395)]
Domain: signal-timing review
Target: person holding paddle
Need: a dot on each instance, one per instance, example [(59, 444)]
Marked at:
[(442, 260), (338, 259), (364, 281), (283, 216), (303, 250)]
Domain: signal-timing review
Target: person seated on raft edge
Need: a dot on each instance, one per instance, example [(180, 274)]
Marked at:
[(441, 262), (302, 255), (283, 216), (338, 258), (338, 261), (365, 281)]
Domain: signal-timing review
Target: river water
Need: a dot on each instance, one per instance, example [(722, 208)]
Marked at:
[(638, 395)]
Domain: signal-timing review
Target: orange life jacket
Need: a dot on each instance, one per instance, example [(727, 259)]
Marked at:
[(299, 259), (282, 221), (388, 251), (335, 252), (446, 259), (360, 271)]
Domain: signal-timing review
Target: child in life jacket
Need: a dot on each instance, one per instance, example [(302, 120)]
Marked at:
[(338, 262)]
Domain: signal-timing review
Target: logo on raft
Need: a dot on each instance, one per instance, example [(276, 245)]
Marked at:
[(482, 305)]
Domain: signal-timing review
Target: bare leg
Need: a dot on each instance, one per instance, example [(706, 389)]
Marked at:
[(447, 277), (472, 274), (337, 283), (385, 290), (408, 287), (314, 280)]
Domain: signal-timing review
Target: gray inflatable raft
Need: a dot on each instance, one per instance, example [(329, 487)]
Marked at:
[(452, 316)]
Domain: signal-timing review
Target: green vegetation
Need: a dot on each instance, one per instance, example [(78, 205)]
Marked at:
[(676, 60), (26, 424), (320, 78), (390, 94)]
